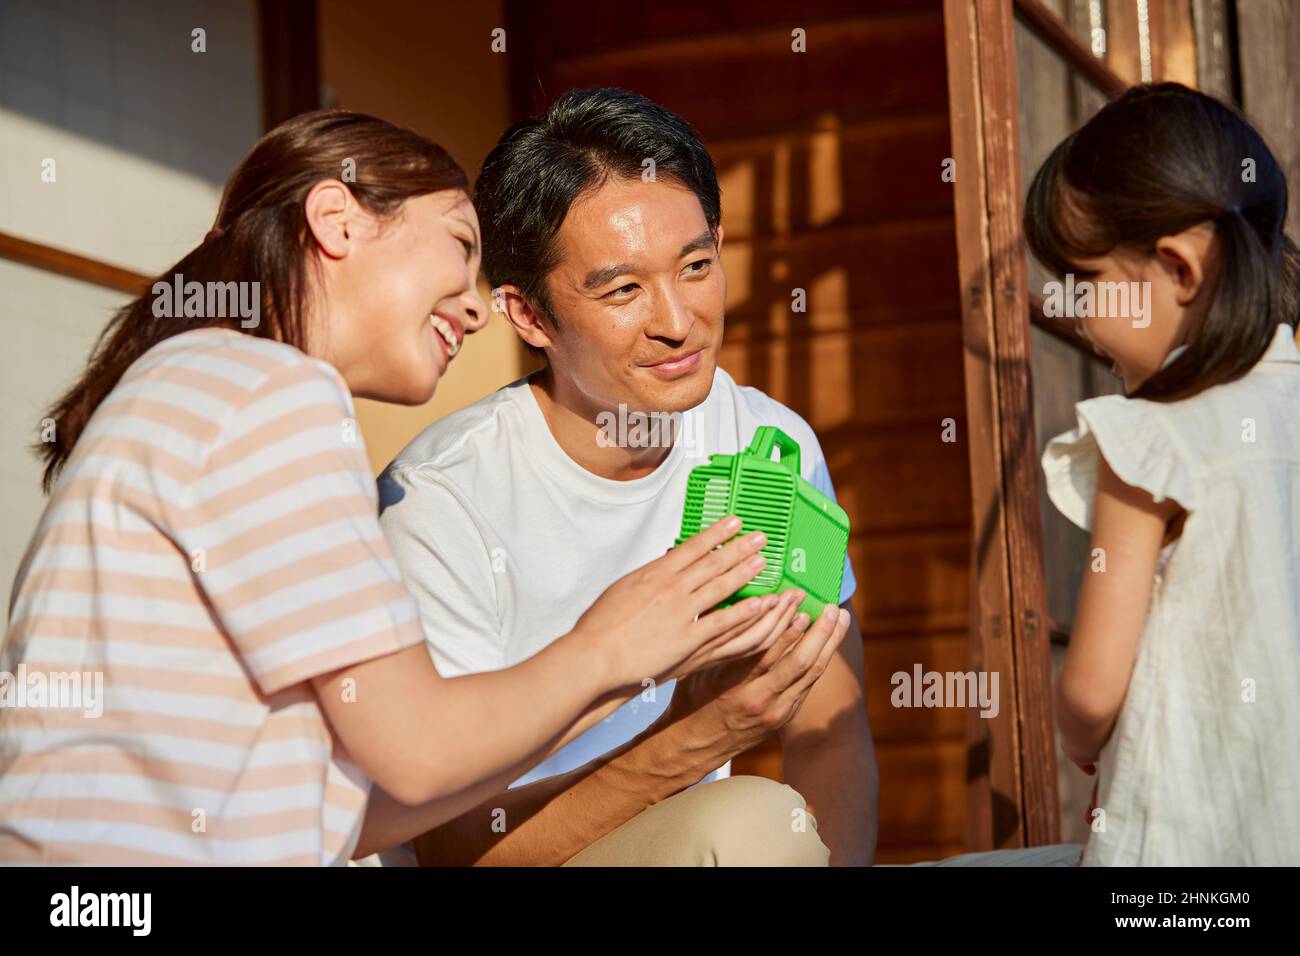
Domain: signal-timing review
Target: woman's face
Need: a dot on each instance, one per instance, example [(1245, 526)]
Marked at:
[(403, 294)]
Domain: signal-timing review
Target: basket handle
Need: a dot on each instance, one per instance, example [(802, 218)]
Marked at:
[(768, 437)]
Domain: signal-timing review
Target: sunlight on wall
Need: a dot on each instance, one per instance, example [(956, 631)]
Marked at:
[(104, 202), (829, 354), (825, 188)]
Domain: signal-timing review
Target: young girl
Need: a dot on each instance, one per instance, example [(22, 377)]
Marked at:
[(1181, 686), (211, 549)]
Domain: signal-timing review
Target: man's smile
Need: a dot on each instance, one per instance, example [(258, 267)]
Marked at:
[(677, 365)]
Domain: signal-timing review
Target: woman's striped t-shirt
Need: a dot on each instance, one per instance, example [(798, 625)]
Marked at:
[(211, 545)]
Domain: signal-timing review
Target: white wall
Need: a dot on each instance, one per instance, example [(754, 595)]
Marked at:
[(143, 132)]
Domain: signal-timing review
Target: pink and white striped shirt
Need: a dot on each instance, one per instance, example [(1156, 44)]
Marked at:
[(211, 545)]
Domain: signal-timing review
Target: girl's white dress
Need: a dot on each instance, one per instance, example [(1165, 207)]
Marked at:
[(1203, 766)]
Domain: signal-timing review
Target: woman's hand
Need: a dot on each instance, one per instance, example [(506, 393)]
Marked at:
[(653, 623), (758, 634)]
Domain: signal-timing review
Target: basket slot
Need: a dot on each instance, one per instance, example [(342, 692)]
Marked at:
[(764, 501)]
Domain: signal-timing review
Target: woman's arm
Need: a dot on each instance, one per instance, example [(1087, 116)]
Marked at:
[(1128, 530), (551, 819), (390, 821), (423, 738)]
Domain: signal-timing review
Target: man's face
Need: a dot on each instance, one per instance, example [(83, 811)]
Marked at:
[(638, 297)]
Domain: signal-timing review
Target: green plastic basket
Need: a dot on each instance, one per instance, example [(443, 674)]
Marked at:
[(807, 532)]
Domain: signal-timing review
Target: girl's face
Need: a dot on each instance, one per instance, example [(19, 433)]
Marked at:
[(1144, 306), (399, 294)]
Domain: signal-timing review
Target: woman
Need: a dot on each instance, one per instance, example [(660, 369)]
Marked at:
[(211, 546)]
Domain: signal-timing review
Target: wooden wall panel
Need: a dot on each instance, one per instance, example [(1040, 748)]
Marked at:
[(884, 267), (862, 66), (871, 375), (1269, 33), (917, 582), (629, 26), (796, 180)]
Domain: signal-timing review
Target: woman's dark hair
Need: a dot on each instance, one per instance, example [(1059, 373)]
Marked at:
[(540, 166), (261, 235), (1156, 161)]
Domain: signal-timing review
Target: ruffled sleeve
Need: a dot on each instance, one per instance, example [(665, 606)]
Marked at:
[(1137, 441)]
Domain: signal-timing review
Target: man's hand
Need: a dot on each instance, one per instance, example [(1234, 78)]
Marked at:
[(731, 708)]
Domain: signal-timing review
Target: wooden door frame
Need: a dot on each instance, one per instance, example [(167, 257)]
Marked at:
[(1011, 794)]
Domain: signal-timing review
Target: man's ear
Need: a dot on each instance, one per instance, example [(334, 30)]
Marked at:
[(717, 238), (1186, 257), (329, 206), (527, 321)]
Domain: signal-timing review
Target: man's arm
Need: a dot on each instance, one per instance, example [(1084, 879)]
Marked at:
[(548, 822), (830, 759), (389, 822), (713, 716)]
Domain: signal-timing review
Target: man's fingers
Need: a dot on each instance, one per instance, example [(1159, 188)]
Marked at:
[(787, 638), (794, 695), (803, 656), (781, 646), (823, 659)]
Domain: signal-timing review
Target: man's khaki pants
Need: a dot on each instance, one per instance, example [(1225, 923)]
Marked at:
[(736, 821), (753, 821)]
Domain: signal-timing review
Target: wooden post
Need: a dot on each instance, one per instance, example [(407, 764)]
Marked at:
[(290, 59), (1011, 792), (1173, 42), (1123, 40), (1269, 36), (1214, 54)]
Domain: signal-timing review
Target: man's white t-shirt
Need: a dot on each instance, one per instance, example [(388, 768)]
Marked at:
[(505, 540)]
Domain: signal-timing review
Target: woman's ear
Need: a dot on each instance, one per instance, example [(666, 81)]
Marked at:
[(526, 320), (1186, 257), (329, 206)]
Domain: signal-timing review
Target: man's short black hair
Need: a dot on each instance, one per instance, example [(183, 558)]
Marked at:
[(540, 166)]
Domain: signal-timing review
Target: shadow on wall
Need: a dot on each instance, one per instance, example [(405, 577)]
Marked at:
[(127, 74)]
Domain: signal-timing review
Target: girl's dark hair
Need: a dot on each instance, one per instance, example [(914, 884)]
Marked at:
[(261, 235), (1154, 162), (541, 166)]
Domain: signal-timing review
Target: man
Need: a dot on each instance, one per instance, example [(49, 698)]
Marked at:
[(601, 236)]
